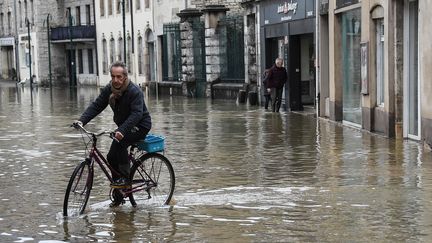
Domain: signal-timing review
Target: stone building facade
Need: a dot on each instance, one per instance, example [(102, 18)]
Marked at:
[(379, 80)]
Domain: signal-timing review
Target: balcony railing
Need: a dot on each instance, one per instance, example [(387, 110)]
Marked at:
[(77, 32)]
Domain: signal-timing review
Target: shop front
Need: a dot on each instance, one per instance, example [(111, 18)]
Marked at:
[(287, 31), (7, 61)]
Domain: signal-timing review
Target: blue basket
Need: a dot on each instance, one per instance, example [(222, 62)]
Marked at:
[(152, 143)]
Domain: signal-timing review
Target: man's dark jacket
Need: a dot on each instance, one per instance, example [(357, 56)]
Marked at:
[(277, 77), (129, 109)]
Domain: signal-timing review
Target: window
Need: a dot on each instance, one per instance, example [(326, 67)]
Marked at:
[(32, 12), (80, 61), (350, 68), (120, 56), (25, 9), (112, 50), (138, 4), (88, 15), (126, 6), (150, 69), (90, 60), (78, 15), (105, 57), (20, 14), (129, 54), (1, 23), (102, 7), (119, 6), (140, 55), (146, 3), (379, 24), (9, 23), (110, 7)]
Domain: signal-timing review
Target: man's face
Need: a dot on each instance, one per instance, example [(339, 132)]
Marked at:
[(279, 63), (117, 77)]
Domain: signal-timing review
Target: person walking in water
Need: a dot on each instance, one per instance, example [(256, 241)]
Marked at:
[(276, 79)]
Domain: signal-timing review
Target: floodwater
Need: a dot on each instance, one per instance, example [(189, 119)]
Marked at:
[(242, 175)]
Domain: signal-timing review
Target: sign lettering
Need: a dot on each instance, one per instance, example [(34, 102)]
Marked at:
[(287, 7)]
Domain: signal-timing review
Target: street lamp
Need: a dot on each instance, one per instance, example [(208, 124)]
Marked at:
[(30, 57), (49, 48), (72, 56), (124, 30)]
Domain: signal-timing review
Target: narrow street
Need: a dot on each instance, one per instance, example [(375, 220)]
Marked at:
[(242, 175)]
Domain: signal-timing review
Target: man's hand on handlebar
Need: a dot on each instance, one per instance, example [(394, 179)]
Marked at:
[(77, 124), (118, 136)]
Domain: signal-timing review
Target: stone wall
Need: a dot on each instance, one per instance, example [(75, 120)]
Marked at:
[(233, 5)]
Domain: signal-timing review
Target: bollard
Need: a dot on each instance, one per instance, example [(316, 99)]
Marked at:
[(253, 98), (242, 96)]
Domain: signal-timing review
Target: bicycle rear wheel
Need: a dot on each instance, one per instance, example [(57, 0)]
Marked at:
[(153, 174), (78, 190)]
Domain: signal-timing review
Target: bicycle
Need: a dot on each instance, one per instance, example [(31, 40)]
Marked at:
[(152, 175)]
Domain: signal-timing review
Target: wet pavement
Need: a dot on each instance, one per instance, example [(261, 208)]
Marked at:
[(242, 175)]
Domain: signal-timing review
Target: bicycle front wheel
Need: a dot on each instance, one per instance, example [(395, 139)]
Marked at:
[(78, 190), (153, 180)]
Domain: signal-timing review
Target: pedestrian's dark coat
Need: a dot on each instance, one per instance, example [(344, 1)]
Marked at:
[(277, 77)]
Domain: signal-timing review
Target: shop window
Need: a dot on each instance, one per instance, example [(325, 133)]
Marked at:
[(351, 66), (379, 27)]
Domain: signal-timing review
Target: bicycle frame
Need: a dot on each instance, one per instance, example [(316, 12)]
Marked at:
[(96, 156)]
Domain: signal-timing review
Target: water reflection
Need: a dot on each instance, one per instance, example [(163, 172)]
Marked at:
[(242, 175)]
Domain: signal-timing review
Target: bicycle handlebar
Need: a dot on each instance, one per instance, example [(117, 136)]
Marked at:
[(78, 125)]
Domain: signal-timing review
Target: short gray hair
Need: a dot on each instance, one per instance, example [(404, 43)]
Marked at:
[(278, 59), (119, 64)]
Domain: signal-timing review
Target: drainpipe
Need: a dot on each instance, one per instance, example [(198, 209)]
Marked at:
[(17, 66), (317, 59), (49, 49), (124, 31), (96, 42)]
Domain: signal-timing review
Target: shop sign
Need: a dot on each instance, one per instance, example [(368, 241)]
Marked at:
[(274, 12), (8, 41), (286, 7)]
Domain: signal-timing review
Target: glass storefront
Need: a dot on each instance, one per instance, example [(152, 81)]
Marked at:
[(351, 34), (413, 86)]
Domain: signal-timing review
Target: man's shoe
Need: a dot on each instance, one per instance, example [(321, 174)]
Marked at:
[(121, 183), (116, 203)]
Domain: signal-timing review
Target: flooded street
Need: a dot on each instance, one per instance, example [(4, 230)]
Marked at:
[(242, 175)]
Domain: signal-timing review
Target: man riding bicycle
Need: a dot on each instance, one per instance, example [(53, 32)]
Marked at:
[(131, 116)]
